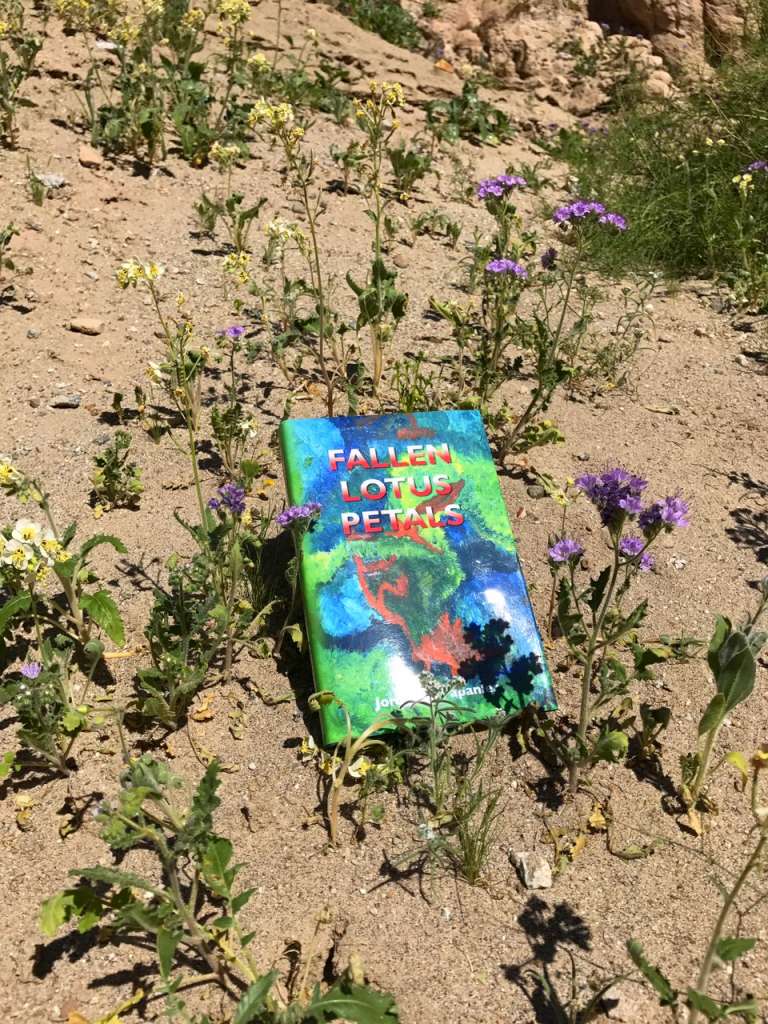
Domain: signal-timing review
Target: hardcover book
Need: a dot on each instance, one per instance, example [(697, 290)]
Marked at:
[(410, 567)]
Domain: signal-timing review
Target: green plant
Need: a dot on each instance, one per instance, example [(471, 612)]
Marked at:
[(720, 950), (468, 117), (33, 556), (350, 159), (593, 620), (116, 481), (387, 18), (415, 388), (437, 224), (18, 51), (409, 165), (6, 263), (192, 905), (461, 803), (49, 698), (732, 658), (381, 305)]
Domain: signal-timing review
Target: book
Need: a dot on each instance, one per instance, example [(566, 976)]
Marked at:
[(409, 567)]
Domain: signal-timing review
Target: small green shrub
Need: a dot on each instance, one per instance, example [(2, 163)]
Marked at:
[(386, 18)]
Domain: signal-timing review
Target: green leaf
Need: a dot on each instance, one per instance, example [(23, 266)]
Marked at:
[(167, 943), (98, 540), (351, 1002), (611, 746), (252, 1002), (241, 899), (732, 949), (722, 632), (123, 879), (103, 610), (7, 764), (81, 902), (713, 715), (660, 983), (597, 589), (216, 870), (19, 603), (710, 1009), (199, 824), (735, 675)]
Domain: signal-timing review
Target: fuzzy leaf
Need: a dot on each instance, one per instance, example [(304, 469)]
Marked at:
[(103, 610), (98, 540), (81, 902), (740, 763), (17, 604), (166, 948), (7, 764), (713, 715), (252, 1002), (351, 1002), (732, 949), (667, 995), (611, 746), (199, 823), (710, 1009), (112, 876)]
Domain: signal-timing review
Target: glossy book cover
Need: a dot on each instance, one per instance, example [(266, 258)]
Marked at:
[(410, 566)]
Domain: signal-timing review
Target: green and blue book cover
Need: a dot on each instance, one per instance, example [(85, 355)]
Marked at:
[(411, 566)]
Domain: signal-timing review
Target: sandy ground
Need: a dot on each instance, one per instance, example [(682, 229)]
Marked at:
[(447, 951)]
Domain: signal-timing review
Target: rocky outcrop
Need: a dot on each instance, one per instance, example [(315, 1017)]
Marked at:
[(573, 51)]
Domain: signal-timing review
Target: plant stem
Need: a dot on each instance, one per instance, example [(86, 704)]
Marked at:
[(586, 679), (706, 756), (702, 982)]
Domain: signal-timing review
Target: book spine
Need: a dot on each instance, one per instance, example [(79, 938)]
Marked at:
[(296, 496)]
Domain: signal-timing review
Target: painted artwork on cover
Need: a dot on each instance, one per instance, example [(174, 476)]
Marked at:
[(410, 566)]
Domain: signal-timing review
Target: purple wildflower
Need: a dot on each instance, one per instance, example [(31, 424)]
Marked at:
[(582, 208), (615, 493), (233, 498), (565, 550), (31, 670), (214, 504), (497, 188), (504, 266), (295, 513), (234, 332), (665, 514), (631, 546), (549, 258), (646, 562), (757, 165)]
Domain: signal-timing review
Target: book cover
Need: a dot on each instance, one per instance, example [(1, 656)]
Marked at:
[(410, 566)]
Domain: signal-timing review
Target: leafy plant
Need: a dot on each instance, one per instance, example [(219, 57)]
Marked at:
[(437, 224), (721, 950), (116, 481), (468, 117), (381, 304), (6, 263), (192, 908), (732, 657), (409, 165), (50, 703), (387, 18), (33, 555), (350, 159), (18, 51), (592, 618)]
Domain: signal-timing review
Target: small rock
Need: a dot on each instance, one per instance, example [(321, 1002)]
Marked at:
[(742, 360), (34, 332), (536, 491), (65, 402), (88, 156), (34, 402), (86, 325), (401, 260), (620, 1002), (583, 457), (534, 869), (700, 332), (665, 339)]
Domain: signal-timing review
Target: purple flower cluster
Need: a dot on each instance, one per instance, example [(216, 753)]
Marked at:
[(31, 670), (583, 208), (497, 188), (757, 165), (549, 259), (631, 547), (665, 514), (614, 493), (231, 497), (504, 266), (565, 550), (234, 332), (297, 513)]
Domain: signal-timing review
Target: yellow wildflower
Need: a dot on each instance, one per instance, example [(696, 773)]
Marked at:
[(194, 19), (234, 11), (258, 62), (238, 264)]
